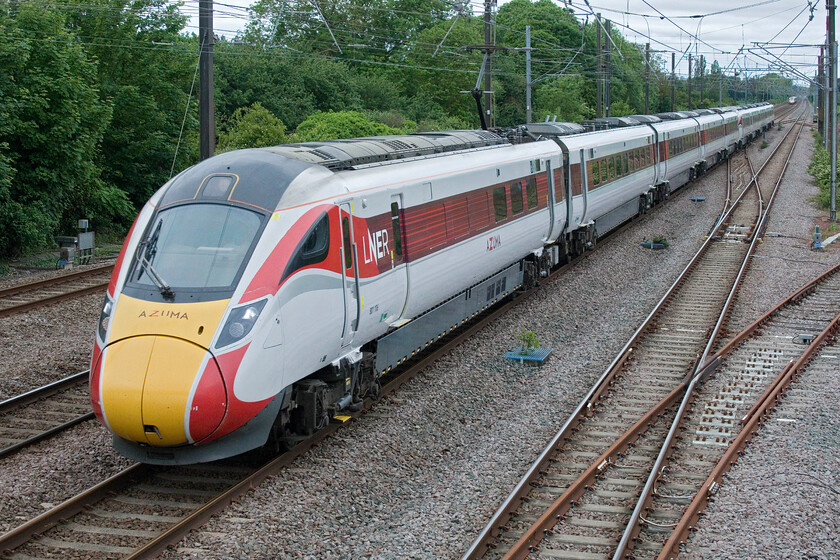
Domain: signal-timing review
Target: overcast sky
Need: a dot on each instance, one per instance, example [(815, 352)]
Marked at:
[(724, 27)]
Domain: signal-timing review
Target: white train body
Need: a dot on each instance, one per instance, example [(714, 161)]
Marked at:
[(262, 291)]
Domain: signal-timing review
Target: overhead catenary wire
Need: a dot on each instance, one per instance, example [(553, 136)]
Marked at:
[(414, 44)]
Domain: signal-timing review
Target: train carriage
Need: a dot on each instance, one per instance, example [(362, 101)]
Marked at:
[(732, 131), (262, 292), (618, 170), (679, 151), (712, 137)]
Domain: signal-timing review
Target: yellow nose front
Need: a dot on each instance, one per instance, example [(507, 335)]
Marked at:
[(146, 383)]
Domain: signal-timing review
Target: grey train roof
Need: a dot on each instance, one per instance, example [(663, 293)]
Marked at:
[(606, 123), (344, 154), (554, 129), (646, 119)]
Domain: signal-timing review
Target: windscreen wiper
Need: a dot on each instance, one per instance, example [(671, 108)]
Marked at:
[(161, 284), (147, 254)]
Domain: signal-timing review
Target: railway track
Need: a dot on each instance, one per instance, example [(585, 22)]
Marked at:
[(722, 399), (159, 506), (143, 509), (571, 504), (43, 412), (140, 511), (67, 286)]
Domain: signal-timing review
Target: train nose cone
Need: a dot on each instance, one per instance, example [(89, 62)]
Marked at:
[(147, 390)]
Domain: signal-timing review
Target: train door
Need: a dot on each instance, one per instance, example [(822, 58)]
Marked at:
[(551, 200), (584, 182), (570, 199), (349, 274), (399, 268), (664, 156)]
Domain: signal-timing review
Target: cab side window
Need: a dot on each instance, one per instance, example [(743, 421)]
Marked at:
[(313, 248)]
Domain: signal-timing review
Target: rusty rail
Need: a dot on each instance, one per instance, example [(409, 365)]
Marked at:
[(542, 527), (8, 405), (701, 371), (57, 281), (538, 530), (584, 409), (751, 424)]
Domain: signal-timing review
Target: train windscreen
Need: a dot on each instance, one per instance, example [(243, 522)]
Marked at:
[(195, 246)]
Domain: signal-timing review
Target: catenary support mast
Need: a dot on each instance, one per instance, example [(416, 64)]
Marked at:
[(206, 110)]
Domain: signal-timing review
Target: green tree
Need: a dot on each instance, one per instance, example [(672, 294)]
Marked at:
[(52, 122), (352, 29), (621, 109), (344, 124), (252, 127), (145, 69), (555, 33), (289, 85), (563, 97), (432, 82)]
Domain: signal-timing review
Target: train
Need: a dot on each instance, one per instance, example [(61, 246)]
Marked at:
[(263, 293), (792, 100)]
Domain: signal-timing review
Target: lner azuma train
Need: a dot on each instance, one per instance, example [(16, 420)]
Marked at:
[(262, 292)]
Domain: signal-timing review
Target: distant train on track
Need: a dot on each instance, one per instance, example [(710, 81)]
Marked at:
[(262, 292)]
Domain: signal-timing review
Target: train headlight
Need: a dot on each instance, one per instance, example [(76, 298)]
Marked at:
[(240, 322), (105, 318)]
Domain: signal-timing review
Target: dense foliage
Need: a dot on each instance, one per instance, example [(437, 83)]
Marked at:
[(52, 122), (820, 168), (98, 104)]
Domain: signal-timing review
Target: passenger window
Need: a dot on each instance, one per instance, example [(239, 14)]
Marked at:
[(500, 203), (624, 165), (314, 247), (516, 198), (348, 255), (594, 174), (604, 173), (531, 192), (610, 168), (397, 231)]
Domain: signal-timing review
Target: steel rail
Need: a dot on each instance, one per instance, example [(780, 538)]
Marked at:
[(542, 526), (502, 514), (45, 434), (585, 408), (11, 310), (53, 282), (76, 275), (41, 392), (700, 373), (24, 399), (753, 243), (751, 423), (22, 534)]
